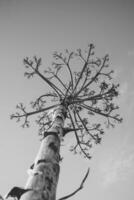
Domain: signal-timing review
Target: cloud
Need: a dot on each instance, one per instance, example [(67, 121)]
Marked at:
[(119, 166)]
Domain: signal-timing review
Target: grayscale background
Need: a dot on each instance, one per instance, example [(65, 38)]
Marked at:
[(39, 27)]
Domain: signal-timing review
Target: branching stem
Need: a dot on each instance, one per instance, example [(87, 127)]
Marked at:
[(34, 112), (77, 138), (93, 78), (84, 125), (82, 71)]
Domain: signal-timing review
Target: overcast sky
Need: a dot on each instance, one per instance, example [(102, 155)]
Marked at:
[(39, 27)]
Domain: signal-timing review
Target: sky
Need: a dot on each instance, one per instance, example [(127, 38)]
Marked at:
[(32, 27)]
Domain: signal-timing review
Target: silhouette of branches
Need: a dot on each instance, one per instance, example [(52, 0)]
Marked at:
[(34, 66), (22, 113), (86, 93), (65, 61), (79, 141)]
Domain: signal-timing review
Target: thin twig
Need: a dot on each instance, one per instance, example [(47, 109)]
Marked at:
[(93, 78), (55, 75), (101, 113), (67, 91), (34, 112), (57, 90), (77, 138), (84, 67), (66, 64), (78, 189), (84, 125), (95, 97)]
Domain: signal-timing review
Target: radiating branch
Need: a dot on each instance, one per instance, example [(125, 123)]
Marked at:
[(66, 94), (110, 93), (84, 125), (84, 67), (29, 64), (100, 112), (57, 90), (34, 112), (55, 75), (66, 63), (25, 114), (95, 76), (77, 138), (40, 101), (86, 78)]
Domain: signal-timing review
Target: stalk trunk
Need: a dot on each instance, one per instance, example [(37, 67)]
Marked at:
[(43, 179)]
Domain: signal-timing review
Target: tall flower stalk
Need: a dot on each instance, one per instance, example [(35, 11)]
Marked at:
[(78, 105)]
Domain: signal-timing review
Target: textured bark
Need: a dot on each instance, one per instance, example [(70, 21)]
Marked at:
[(44, 176)]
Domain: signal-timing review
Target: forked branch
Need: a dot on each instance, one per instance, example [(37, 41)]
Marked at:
[(54, 74), (86, 154), (95, 77), (26, 114), (29, 64), (104, 94), (84, 67), (65, 61)]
